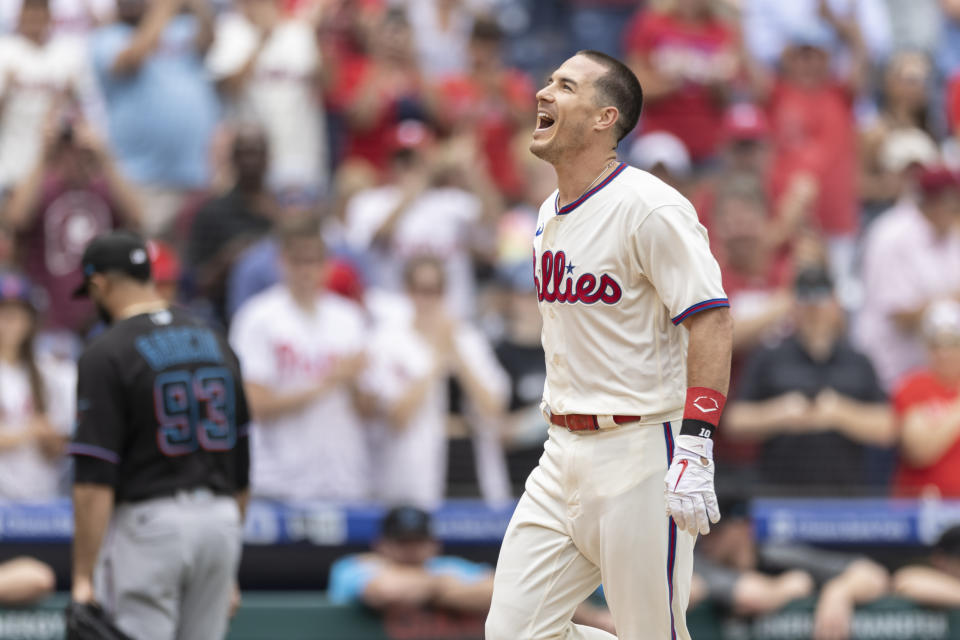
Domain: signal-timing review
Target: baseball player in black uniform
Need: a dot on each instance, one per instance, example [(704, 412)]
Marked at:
[(161, 457)]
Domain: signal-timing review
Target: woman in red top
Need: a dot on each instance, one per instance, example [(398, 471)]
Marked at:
[(686, 59), (928, 406)]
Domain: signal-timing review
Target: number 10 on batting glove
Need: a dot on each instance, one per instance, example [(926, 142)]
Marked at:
[(690, 496)]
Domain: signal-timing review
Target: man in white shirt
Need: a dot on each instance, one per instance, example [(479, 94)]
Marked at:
[(39, 73), (268, 67), (301, 350), (637, 335), (424, 209), (411, 360)]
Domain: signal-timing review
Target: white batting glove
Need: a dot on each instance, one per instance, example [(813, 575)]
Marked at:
[(691, 499)]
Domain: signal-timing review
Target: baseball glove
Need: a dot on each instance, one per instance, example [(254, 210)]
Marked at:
[(88, 621)]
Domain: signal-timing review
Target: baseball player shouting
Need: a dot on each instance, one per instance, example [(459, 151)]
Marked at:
[(161, 458), (634, 322)]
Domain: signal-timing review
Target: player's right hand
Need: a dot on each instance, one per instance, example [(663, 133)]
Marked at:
[(690, 496)]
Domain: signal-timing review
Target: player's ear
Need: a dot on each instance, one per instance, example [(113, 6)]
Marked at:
[(607, 118)]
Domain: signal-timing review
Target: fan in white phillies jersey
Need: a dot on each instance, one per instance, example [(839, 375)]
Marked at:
[(637, 337), (301, 351)]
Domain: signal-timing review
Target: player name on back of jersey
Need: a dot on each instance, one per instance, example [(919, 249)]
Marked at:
[(178, 345)]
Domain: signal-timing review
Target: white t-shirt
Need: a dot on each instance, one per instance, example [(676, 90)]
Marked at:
[(439, 222), (617, 271), (25, 473), (280, 94), (319, 452), (41, 73), (411, 463)]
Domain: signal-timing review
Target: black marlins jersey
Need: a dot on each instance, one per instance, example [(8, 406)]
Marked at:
[(161, 408)]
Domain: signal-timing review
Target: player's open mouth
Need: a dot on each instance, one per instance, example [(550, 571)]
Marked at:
[(544, 121)]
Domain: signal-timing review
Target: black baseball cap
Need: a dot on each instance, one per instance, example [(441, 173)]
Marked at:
[(120, 251), (813, 284), (406, 524)]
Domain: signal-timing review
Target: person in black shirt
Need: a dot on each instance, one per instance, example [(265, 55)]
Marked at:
[(161, 457), (521, 356), (813, 401)]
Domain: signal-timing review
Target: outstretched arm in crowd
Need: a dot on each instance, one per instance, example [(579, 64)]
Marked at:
[(927, 586), (861, 582), (147, 36)]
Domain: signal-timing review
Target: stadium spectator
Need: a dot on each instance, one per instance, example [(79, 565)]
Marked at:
[(227, 224), (904, 106), (268, 67), (405, 571), (40, 73), (812, 401), (520, 354), (441, 34), (769, 25), (756, 274), (749, 579), (927, 403), (74, 192), (301, 351), (665, 156), (434, 203), (598, 24), (36, 400), (936, 583), (410, 364), (811, 113), (911, 257), (25, 581), (686, 58), (491, 101), (161, 106), (73, 18), (376, 91)]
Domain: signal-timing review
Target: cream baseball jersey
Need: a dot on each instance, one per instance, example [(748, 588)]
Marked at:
[(616, 272)]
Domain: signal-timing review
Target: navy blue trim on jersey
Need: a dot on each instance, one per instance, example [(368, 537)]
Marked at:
[(671, 536), (579, 201), (93, 451), (700, 306)]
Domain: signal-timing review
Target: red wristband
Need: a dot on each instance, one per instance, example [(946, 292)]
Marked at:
[(704, 404)]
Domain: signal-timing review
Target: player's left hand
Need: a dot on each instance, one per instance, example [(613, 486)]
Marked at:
[(690, 496)]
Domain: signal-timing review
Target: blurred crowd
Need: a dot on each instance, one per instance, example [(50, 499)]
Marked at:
[(345, 188)]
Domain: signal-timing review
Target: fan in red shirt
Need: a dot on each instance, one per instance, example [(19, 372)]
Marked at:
[(928, 406), (686, 59), (494, 102), (377, 91)]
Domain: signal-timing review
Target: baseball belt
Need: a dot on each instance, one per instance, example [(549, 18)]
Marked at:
[(585, 422)]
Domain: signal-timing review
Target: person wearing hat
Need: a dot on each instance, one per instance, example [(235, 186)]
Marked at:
[(36, 399), (911, 257), (404, 570), (812, 401), (161, 456), (927, 404)]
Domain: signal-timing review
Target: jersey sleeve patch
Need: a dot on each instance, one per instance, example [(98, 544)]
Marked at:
[(700, 306)]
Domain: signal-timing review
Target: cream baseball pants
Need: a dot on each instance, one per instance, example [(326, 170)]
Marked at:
[(593, 512)]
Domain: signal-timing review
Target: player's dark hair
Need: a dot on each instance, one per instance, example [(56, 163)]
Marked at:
[(487, 30), (620, 88), (424, 260)]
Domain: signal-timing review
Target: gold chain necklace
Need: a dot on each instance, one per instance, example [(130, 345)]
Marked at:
[(589, 186)]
